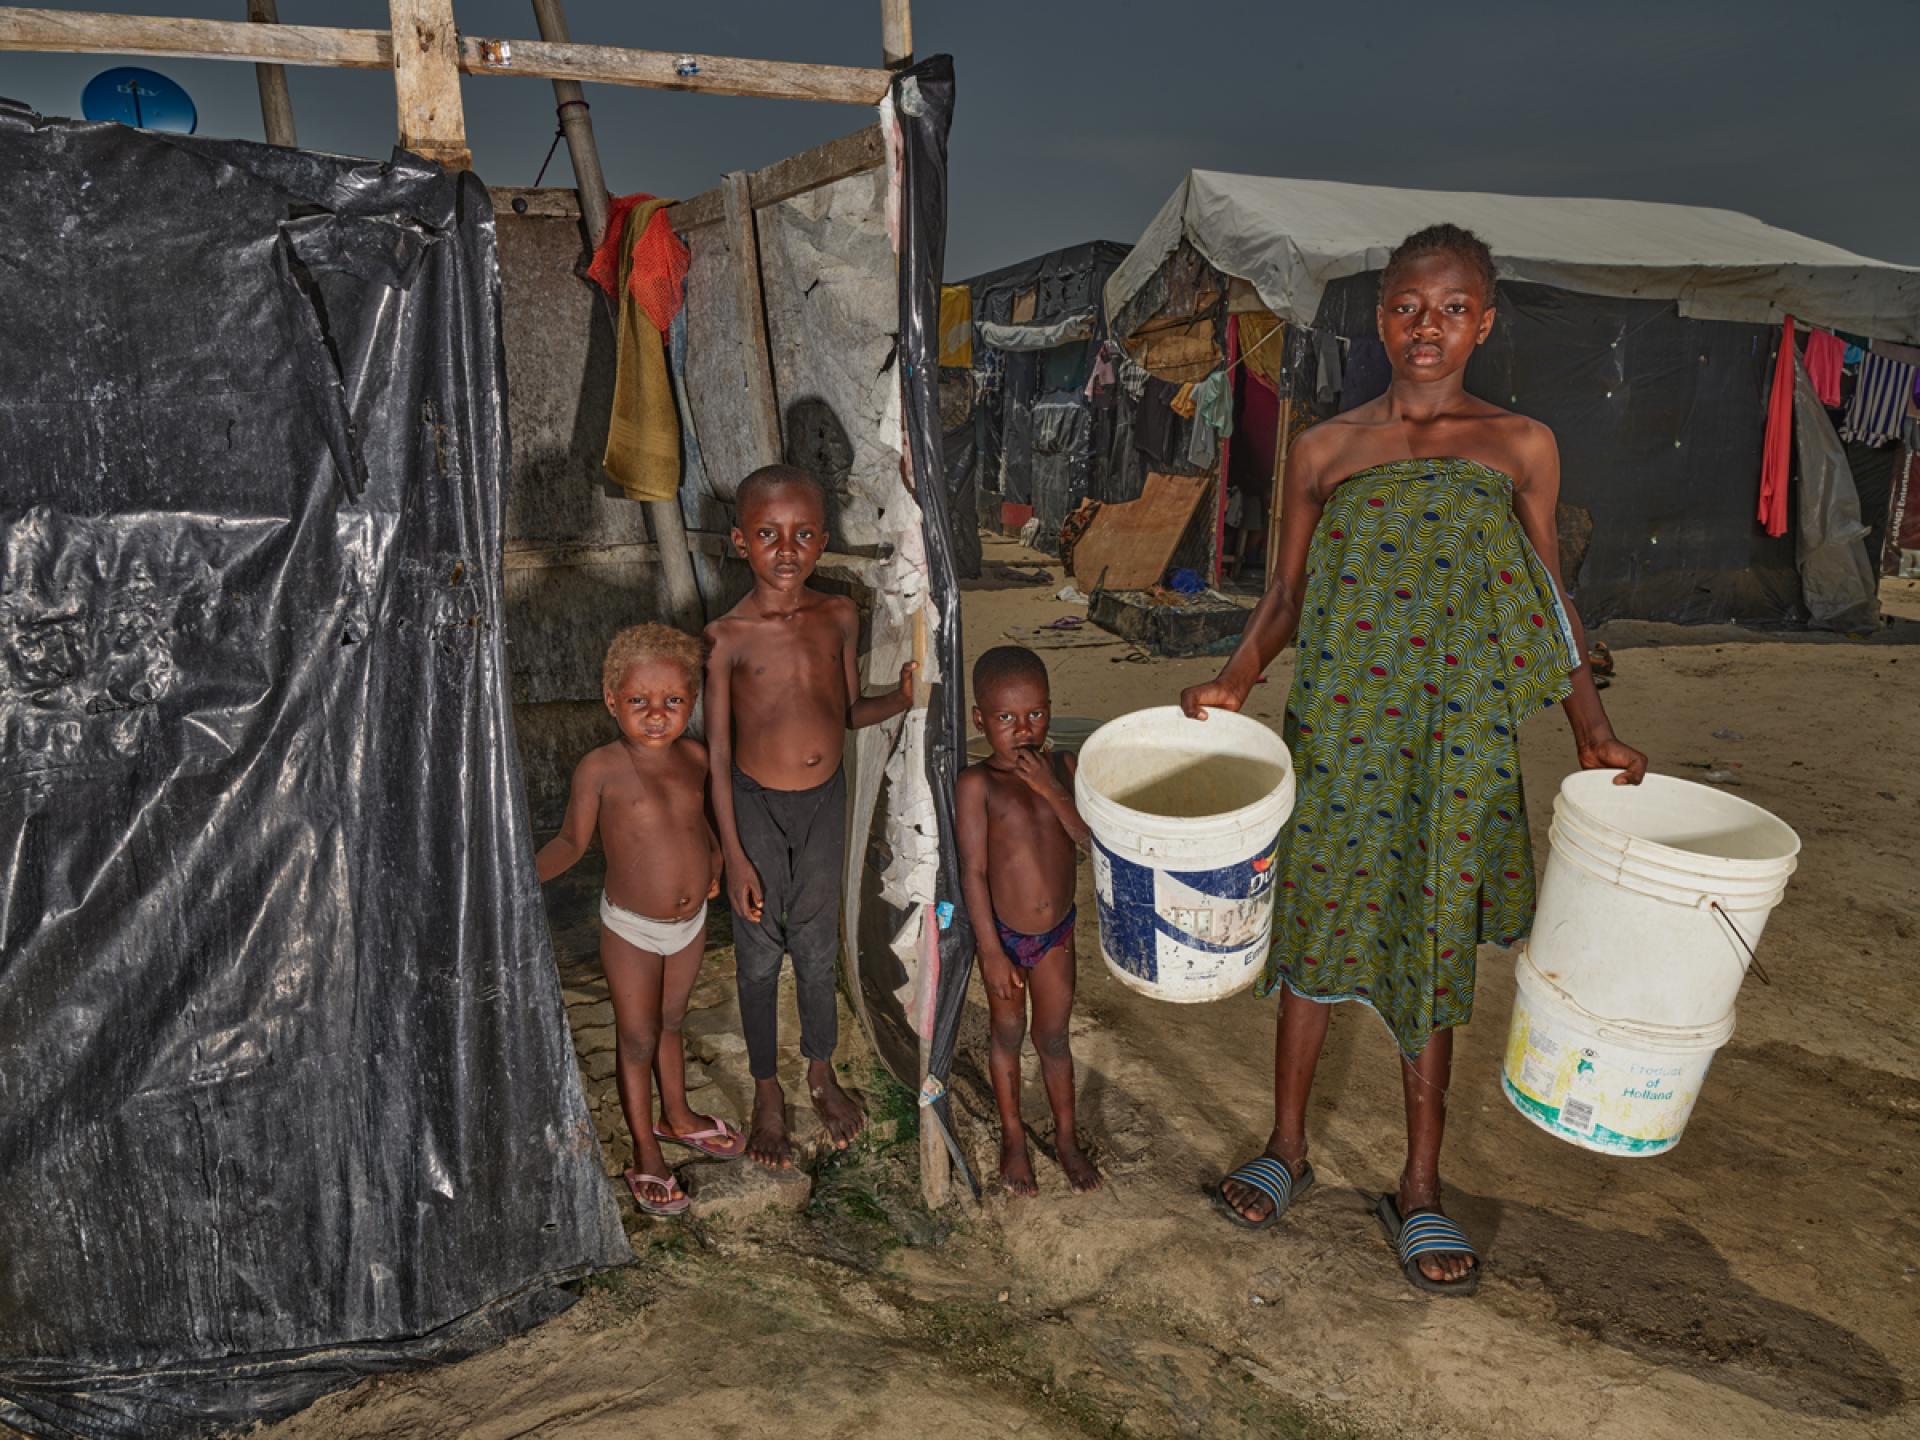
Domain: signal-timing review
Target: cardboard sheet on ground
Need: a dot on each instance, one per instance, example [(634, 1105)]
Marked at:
[(1128, 546)]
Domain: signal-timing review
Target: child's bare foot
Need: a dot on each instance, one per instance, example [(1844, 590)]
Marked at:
[(649, 1160), (767, 1129), (841, 1116), (1016, 1166), (1082, 1173)]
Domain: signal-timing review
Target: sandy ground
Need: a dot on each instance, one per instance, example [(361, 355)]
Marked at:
[(1759, 1280)]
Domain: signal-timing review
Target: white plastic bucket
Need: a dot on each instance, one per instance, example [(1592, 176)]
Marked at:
[(1612, 1086), (1653, 901), (1655, 896), (1186, 818)]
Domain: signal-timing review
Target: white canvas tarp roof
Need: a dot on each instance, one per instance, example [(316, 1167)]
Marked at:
[(1288, 238)]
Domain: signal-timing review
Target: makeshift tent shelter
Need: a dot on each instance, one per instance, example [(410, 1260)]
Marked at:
[(1022, 426), (289, 1098), (1640, 332)]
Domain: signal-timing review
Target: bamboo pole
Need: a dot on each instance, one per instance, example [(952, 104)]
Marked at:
[(276, 103), (936, 1166), (669, 528)]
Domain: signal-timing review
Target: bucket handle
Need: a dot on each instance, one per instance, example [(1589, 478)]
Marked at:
[(1753, 960)]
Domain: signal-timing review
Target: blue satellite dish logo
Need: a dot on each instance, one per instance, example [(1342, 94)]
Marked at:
[(144, 99)]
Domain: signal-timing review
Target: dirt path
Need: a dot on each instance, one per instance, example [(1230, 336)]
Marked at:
[(1759, 1280)]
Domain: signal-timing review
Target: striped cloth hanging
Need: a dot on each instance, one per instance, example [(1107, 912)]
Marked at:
[(1880, 399)]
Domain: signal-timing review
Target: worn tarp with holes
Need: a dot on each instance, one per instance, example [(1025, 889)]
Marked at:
[(286, 1094)]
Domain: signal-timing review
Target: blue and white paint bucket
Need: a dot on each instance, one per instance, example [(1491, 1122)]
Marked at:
[(1186, 817)]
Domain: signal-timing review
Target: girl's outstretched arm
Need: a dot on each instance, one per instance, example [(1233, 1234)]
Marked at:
[(1536, 497)]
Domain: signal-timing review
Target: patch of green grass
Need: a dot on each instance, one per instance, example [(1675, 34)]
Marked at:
[(866, 1199), (893, 1111)]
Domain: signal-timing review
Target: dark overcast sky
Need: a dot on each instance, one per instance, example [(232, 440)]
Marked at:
[(1075, 121)]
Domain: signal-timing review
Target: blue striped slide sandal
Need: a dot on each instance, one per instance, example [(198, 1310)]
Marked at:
[(1427, 1232), (1273, 1180)]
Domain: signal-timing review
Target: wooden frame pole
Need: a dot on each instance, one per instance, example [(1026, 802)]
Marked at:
[(576, 123), (896, 33), (426, 81), (276, 103)]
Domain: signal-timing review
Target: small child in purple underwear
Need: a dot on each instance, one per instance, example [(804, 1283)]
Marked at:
[(1019, 837)]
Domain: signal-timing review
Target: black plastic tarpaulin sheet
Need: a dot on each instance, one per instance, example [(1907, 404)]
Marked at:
[(286, 1091), (1659, 420), (924, 97)]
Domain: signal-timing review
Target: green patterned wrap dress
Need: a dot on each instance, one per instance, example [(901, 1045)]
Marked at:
[(1429, 630)]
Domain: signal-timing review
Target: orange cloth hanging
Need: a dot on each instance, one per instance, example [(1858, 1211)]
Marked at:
[(659, 257), (1777, 454)]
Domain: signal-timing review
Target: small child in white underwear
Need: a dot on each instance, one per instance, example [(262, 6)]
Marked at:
[(646, 793)]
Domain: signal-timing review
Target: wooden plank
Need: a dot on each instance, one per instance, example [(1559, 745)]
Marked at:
[(662, 70), (549, 202), (1129, 545), (896, 33), (795, 175), (426, 81), (276, 104), (760, 411), (849, 155), (88, 32)]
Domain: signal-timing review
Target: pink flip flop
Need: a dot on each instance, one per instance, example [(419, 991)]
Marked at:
[(677, 1199), (720, 1142)]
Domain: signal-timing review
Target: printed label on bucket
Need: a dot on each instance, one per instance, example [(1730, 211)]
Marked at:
[(1184, 926), (1612, 1099)]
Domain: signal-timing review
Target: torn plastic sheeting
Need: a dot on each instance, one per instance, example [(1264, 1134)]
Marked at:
[(1836, 576), (897, 835), (923, 168), (832, 321), (272, 958), (1069, 331)]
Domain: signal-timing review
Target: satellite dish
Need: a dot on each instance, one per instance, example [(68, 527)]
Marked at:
[(144, 99)]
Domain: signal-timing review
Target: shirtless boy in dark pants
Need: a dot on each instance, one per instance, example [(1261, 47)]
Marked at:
[(1018, 836), (783, 689)]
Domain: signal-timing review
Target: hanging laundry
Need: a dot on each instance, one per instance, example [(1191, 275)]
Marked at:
[(1101, 377), (1776, 455), (1153, 421), (1823, 361), (1213, 402), (1182, 401), (643, 430), (1203, 444), (649, 254), (956, 326), (1880, 400), (1852, 355)]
